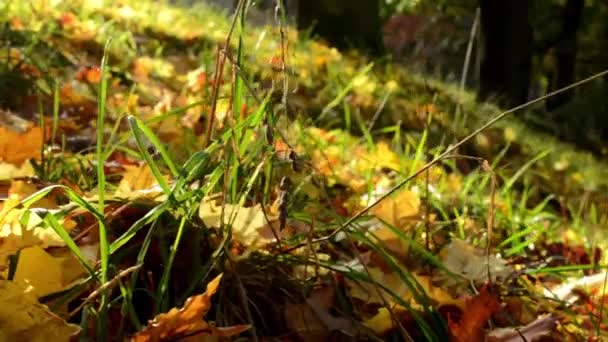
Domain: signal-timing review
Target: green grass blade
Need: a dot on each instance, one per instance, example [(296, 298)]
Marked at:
[(163, 287), (138, 133), (524, 168), (51, 220), (338, 99), (101, 188), (137, 226)]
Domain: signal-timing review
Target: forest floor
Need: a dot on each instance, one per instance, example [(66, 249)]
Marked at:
[(274, 190)]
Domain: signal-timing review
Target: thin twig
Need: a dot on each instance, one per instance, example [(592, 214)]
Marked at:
[(219, 70), (105, 287), (467, 58)]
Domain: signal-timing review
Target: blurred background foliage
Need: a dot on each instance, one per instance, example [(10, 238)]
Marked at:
[(519, 49)]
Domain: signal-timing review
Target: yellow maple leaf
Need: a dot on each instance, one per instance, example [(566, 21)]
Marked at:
[(249, 224), (17, 147), (138, 182), (10, 171), (44, 274), (20, 228), (386, 157), (24, 319), (371, 293), (400, 210)]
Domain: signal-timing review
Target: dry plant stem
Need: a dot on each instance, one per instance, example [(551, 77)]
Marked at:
[(452, 148), (279, 13), (467, 58), (256, 98), (490, 223), (242, 291), (109, 218), (269, 223), (219, 70), (105, 287), (378, 111), (232, 121)]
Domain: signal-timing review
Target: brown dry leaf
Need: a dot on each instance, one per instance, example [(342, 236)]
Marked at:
[(22, 318), (312, 320), (16, 147), (476, 313), (533, 331), (187, 320), (461, 258), (400, 210)]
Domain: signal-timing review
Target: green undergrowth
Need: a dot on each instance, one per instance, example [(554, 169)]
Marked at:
[(304, 135)]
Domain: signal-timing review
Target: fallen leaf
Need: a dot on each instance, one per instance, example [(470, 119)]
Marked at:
[(22, 189), (475, 315), (400, 210), (567, 292), (533, 331), (20, 228), (463, 259), (42, 273), (312, 319), (371, 293), (384, 157), (188, 320), (138, 182), (10, 171), (382, 322), (17, 147), (89, 74), (24, 319), (249, 224)]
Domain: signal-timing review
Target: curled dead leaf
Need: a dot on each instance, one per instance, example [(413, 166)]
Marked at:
[(476, 313), (187, 321)]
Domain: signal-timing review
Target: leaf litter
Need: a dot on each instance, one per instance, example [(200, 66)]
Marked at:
[(415, 265)]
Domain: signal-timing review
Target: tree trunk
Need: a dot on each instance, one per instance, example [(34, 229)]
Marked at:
[(343, 23), (566, 52), (507, 51)]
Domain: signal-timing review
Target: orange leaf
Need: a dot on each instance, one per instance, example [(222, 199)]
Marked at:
[(17, 147), (91, 75), (67, 19), (187, 320), (476, 313)]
